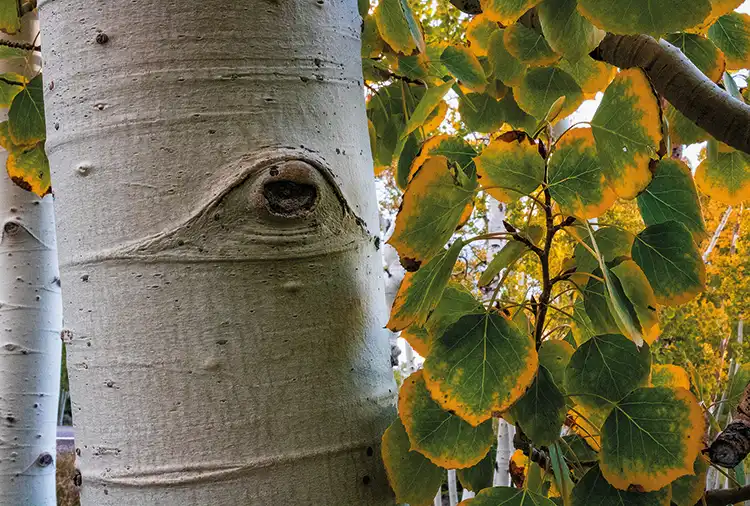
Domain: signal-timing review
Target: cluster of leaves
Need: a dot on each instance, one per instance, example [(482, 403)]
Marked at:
[(23, 134), (634, 430)]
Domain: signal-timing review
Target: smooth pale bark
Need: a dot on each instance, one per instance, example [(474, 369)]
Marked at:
[(219, 251), (30, 323)]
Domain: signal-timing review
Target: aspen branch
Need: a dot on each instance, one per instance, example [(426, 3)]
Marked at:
[(732, 445), (722, 497)]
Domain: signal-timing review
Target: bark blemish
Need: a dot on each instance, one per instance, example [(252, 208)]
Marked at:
[(44, 460), (11, 228), (102, 38), (290, 199)]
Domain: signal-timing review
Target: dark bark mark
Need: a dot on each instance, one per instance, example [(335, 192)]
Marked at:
[(290, 199)]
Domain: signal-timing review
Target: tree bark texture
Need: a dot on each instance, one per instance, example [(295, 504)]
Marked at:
[(30, 323), (219, 238)]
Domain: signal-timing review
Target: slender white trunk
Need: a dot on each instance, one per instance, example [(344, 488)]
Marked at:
[(219, 236), (452, 488), (30, 323), (717, 233)]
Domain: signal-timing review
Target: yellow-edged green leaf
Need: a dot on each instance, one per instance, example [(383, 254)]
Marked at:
[(478, 476), (372, 43), (669, 375), (541, 411), (601, 309), (670, 259), (576, 179), (418, 338), (731, 34), (605, 369), (455, 149), (587, 422), (652, 437), (29, 169), (702, 52), (10, 19), (528, 46), (577, 451), (681, 129), (481, 113), (511, 169), (426, 106), (506, 12), (555, 356), (507, 496), (515, 116), (542, 86), (566, 31), (512, 251), (725, 177), (612, 242), (688, 490), (421, 291), (628, 131), (593, 490), (26, 114), (443, 437), (398, 26), (642, 16), (432, 207), (504, 66), (671, 195), (413, 67), (640, 295), (412, 476), (10, 85), (465, 67), (483, 363), (5, 141), (591, 75), (478, 34)]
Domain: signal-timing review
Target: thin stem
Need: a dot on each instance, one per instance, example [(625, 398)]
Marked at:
[(544, 298), (20, 45)]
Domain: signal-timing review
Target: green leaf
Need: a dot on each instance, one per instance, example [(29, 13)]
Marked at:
[(577, 451), (507, 496), (427, 105), (409, 152), (516, 117), (481, 113), (628, 131), (464, 66), (10, 85), (478, 33), (454, 148), (555, 356), (541, 411), (567, 32), (398, 26), (10, 20), (582, 327), (506, 12), (605, 369), (26, 115), (642, 16), (613, 243), (413, 477), (432, 208), (528, 46), (372, 43), (672, 376), (651, 438), (504, 66), (731, 34), (640, 296), (736, 387), (593, 490), (443, 437), (668, 256), (29, 169), (595, 300), (688, 490), (509, 169), (725, 177), (702, 52), (681, 129), (421, 291), (480, 475), (483, 363), (542, 86), (591, 75), (671, 195), (576, 179), (512, 251)]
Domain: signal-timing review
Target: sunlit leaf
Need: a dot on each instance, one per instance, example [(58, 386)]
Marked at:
[(670, 259), (702, 52), (627, 128), (613, 243), (26, 114), (681, 129), (641, 16), (426, 106), (478, 476), (510, 169), (507, 496), (510, 252), (591, 75), (731, 34), (542, 86), (481, 112), (478, 34), (669, 375), (443, 437), (541, 411), (483, 363), (567, 32), (576, 179), (506, 12), (29, 169), (688, 490), (504, 66), (596, 302), (725, 177), (582, 327), (454, 148), (528, 46), (555, 355), (652, 437), (10, 19), (639, 293), (432, 207), (464, 66), (736, 387), (10, 85), (587, 423), (398, 26), (605, 369), (671, 195), (412, 476), (593, 490)]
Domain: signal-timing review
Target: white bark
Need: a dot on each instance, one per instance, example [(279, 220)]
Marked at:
[(222, 281), (452, 488), (467, 494), (717, 233), (30, 323)]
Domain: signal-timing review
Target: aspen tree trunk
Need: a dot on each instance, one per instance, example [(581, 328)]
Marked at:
[(219, 251), (30, 323)]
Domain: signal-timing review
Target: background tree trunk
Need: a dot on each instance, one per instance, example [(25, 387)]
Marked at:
[(30, 323), (219, 248)]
